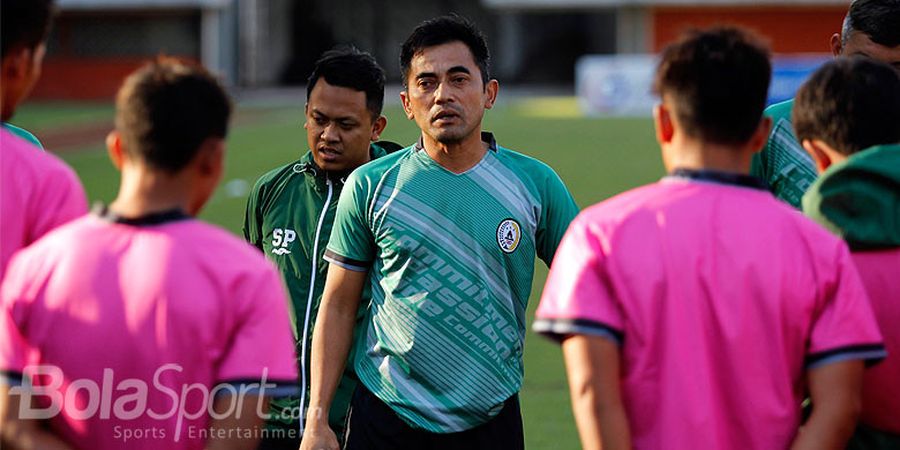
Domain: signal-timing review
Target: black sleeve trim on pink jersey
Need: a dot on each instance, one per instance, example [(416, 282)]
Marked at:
[(11, 378), (272, 388), (558, 329), (347, 263), (870, 353)]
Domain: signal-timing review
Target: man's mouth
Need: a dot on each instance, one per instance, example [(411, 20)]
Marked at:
[(444, 116), (329, 153)]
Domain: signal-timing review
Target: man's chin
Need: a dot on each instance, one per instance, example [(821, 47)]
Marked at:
[(449, 137)]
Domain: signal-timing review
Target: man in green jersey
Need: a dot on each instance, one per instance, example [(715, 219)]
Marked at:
[(291, 209), (871, 29), (445, 235)]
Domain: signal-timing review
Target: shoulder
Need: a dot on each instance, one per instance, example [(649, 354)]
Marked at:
[(377, 168), (520, 161), (26, 157), (24, 134), (780, 110), (626, 205), (279, 175)]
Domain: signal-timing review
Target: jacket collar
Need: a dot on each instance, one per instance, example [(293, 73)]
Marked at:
[(307, 165)]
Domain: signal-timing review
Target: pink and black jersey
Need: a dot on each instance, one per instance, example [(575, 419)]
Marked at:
[(881, 385), (720, 298), (133, 322), (38, 192)]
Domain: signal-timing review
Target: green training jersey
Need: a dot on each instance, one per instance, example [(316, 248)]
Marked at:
[(289, 216), (450, 260), (783, 163)]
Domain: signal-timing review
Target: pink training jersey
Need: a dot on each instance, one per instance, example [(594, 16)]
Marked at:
[(38, 192), (881, 385), (721, 299), (129, 323)]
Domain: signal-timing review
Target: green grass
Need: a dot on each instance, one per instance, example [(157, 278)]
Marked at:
[(597, 158)]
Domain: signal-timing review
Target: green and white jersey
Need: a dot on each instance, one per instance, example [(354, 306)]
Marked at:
[(783, 163), (450, 260)]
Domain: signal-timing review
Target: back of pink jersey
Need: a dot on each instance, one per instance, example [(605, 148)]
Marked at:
[(157, 312), (38, 192), (881, 387), (720, 298)]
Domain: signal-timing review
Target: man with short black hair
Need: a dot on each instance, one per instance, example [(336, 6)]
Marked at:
[(291, 210), (445, 235), (847, 116), (185, 318), (695, 312), (870, 29), (38, 191)]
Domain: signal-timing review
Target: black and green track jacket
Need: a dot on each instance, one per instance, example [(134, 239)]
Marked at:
[(289, 217)]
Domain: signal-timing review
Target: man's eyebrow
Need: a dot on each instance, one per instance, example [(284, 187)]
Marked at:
[(316, 112), (460, 69), (426, 75)]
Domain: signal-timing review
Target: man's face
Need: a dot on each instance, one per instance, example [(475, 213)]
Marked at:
[(339, 128), (859, 44), (445, 94)]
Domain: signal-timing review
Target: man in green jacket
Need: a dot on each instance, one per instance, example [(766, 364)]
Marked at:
[(847, 116), (871, 29), (291, 210)]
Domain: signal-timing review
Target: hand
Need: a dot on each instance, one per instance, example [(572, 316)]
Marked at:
[(318, 437)]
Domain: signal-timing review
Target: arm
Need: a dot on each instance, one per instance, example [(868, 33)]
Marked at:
[(17, 433), (243, 418), (251, 226), (835, 393), (592, 364), (332, 337)]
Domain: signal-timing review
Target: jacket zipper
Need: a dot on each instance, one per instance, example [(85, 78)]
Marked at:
[(312, 284)]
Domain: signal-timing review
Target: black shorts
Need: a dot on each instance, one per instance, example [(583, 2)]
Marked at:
[(373, 425)]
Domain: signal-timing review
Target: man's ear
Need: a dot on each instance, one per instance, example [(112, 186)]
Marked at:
[(404, 100), (761, 135), (836, 45), (114, 149), (210, 159), (17, 64), (378, 127), (819, 152), (662, 121), (491, 89), (306, 116)]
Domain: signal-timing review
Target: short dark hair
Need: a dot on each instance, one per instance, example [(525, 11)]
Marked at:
[(878, 19), (166, 110), (718, 80), (851, 103), (442, 30), (24, 23), (351, 68)]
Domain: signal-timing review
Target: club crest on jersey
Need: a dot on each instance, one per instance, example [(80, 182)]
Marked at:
[(509, 233)]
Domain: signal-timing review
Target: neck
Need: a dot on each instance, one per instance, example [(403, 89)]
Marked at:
[(458, 156), (706, 156), (144, 192)]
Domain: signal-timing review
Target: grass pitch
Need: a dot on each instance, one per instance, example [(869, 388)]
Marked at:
[(596, 158)]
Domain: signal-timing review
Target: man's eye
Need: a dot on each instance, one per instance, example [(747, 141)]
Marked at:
[(320, 121)]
